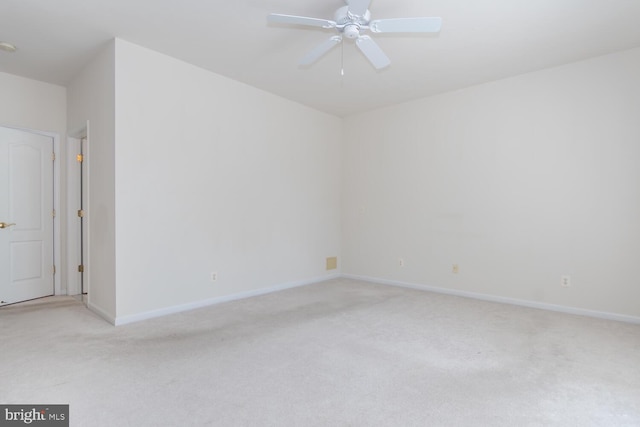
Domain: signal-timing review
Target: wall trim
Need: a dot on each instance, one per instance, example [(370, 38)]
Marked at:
[(73, 199), (124, 320), (102, 313), (499, 299)]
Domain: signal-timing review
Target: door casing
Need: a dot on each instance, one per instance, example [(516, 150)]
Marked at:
[(73, 234)]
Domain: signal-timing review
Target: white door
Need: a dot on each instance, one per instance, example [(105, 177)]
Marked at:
[(26, 216)]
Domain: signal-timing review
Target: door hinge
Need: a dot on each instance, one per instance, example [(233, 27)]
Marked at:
[(81, 268), (53, 157), (53, 213), (79, 158), (81, 213), (54, 269)]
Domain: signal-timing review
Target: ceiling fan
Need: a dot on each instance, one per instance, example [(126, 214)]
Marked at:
[(351, 21)]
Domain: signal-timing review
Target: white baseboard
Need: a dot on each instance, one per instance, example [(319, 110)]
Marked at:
[(504, 300), (102, 313), (123, 320)]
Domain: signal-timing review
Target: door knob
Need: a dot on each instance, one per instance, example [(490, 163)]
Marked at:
[(5, 225)]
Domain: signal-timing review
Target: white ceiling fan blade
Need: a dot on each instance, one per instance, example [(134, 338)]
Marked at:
[(320, 51), (406, 25), (372, 51), (358, 7), (278, 18)]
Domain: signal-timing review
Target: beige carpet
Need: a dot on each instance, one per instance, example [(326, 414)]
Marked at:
[(339, 353)]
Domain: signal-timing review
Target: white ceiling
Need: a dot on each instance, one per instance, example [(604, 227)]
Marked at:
[(481, 40)]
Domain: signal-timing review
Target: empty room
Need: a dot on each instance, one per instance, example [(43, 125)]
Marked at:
[(320, 213)]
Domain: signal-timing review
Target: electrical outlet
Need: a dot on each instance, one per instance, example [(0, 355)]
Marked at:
[(455, 269), (214, 276), (401, 262), (565, 281)]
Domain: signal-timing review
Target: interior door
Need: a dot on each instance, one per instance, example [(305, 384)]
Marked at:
[(26, 216)]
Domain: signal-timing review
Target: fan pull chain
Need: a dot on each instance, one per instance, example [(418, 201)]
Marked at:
[(342, 59)]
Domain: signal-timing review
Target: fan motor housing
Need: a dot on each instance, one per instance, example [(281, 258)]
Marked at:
[(349, 23), (342, 17)]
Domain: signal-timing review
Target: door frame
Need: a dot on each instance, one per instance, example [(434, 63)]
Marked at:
[(59, 278), (74, 139)]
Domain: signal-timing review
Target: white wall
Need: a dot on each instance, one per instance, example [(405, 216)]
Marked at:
[(31, 104), (518, 181), (214, 175), (91, 97)]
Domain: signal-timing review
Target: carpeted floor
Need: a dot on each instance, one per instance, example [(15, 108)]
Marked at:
[(338, 353)]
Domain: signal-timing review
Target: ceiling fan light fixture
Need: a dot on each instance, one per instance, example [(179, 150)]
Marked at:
[(7, 47), (351, 31)]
